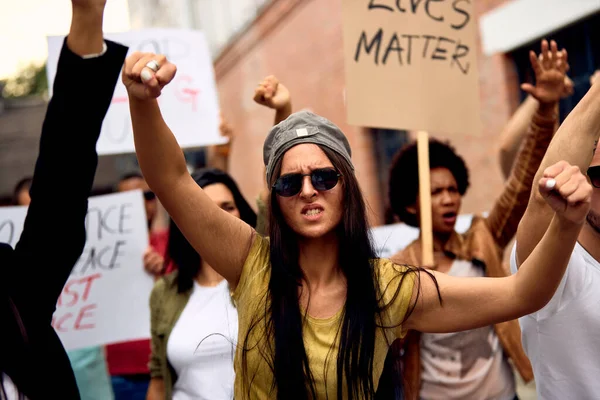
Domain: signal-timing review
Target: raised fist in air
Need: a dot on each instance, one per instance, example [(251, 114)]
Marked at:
[(271, 93), (145, 74), (567, 191)]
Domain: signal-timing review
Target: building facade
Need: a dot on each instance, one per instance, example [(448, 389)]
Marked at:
[(300, 41)]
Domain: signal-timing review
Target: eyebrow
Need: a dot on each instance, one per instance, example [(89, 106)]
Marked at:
[(311, 169)]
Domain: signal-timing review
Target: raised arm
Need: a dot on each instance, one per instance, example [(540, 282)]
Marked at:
[(517, 126), (273, 94), (574, 143), (220, 238), (66, 164), (218, 156), (468, 303), (513, 134), (509, 207)]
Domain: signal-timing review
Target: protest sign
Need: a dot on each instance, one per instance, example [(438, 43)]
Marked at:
[(188, 104), (412, 64), (105, 299)]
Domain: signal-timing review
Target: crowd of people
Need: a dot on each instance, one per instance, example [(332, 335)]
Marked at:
[(292, 301)]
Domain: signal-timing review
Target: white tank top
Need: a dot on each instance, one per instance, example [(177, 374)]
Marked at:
[(202, 345), (465, 365)]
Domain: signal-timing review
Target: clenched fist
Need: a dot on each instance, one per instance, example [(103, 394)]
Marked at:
[(567, 191), (146, 74), (271, 93)]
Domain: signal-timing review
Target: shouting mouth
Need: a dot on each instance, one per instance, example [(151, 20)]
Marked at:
[(312, 213), (449, 217)]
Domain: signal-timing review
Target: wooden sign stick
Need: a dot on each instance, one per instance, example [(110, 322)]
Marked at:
[(425, 200)]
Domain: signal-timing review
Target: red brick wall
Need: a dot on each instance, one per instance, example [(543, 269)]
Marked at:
[(300, 41)]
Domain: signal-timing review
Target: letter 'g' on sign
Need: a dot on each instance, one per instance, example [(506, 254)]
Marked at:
[(412, 64)]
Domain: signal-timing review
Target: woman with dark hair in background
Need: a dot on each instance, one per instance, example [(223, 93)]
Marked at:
[(194, 323), (317, 309), (33, 361), (472, 364)]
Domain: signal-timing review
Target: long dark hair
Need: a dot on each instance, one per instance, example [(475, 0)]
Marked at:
[(179, 251), (362, 314)]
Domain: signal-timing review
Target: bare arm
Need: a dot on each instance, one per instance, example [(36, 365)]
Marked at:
[(218, 156), (156, 390), (509, 207), (513, 133), (220, 238), (574, 143), (468, 303), (515, 129)]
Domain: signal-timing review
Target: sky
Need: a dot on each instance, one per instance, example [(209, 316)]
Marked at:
[(24, 25)]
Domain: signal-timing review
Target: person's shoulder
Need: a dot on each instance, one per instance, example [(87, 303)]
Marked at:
[(165, 284), (404, 256), (388, 270), (582, 259)]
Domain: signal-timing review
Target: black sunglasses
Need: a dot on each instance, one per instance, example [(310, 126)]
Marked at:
[(321, 179), (594, 174), (149, 195)]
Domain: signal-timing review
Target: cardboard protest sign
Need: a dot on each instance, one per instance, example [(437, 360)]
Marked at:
[(105, 299), (390, 239), (412, 64), (189, 104)]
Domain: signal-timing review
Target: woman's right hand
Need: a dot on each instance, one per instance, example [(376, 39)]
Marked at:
[(142, 82)]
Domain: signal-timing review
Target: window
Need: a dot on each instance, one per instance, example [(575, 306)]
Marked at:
[(582, 42), (386, 142)]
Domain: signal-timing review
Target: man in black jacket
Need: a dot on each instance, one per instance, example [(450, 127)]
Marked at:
[(32, 358)]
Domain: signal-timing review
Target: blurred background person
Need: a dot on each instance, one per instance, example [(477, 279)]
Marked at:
[(194, 321)]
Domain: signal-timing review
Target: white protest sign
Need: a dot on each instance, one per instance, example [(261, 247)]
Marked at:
[(105, 299), (390, 239), (189, 104)]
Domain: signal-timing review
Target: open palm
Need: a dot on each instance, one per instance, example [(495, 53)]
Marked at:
[(550, 70)]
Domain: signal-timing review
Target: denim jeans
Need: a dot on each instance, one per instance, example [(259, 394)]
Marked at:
[(130, 387)]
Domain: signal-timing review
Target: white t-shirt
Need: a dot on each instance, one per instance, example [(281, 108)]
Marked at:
[(465, 365), (562, 340), (10, 388), (202, 345)]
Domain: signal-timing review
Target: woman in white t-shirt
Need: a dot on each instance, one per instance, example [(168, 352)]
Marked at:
[(194, 321)]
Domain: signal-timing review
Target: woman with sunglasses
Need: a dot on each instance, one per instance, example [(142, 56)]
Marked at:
[(317, 310), (194, 323)]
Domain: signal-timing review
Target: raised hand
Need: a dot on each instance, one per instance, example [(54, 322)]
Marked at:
[(273, 94), (225, 128), (567, 191), (223, 150), (153, 262), (146, 74), (550, 71)]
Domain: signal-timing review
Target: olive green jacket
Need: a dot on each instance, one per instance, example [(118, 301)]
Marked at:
[(166, 306)]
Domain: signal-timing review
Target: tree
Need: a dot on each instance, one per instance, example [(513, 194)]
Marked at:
[(29, 81)]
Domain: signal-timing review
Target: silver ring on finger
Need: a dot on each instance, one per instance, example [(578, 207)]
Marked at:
[(153, 65)]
